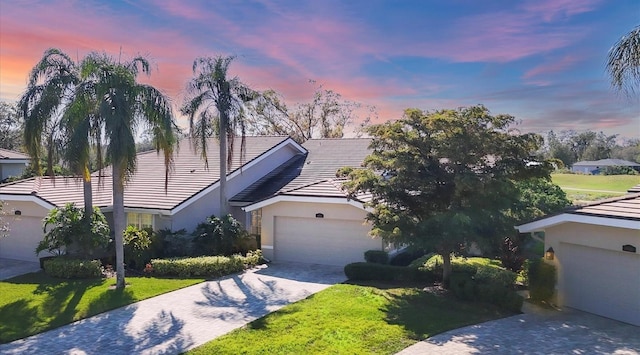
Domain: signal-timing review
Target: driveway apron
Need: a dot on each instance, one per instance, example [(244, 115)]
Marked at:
[(537, 331), (181, 320), (11, 268)]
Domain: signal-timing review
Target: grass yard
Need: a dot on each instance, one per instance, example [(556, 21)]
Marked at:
[(580, 187), (33, 303), (352, 319)]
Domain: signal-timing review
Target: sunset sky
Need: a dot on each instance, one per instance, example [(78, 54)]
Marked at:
[(540, 60)]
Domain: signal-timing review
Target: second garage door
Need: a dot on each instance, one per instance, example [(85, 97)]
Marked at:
[(322, 241), (601, 281), (24, 235)]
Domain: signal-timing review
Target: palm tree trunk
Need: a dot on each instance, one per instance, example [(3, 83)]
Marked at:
[(224, 208), (88, 199), (119, 222), (446, 269)]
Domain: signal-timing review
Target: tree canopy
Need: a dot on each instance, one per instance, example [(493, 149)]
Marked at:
[(326, 115), (10, 127), (623, 62), (443, 179)]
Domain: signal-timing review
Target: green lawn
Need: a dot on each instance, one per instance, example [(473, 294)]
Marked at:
[(352, 319), (618, 183), (33, 303)]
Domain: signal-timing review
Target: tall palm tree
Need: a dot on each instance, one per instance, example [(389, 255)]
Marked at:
[(623, 64), (49, 96), (214, 98), (123, 105)]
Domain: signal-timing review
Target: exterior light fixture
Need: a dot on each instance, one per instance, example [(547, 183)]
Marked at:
[(549, 254), (17, 212), (319, 215)]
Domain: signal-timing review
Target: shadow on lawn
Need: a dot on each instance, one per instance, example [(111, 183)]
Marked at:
[(109, 332), (423, 314)]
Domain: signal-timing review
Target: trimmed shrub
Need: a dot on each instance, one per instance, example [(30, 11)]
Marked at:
[(170, 244), (501, 277), (380, 272), (541, 280), (210, 266), (405, 257), (72, 268), (458, 264), (137, 243), (219, 236), (487, 286), (376, 256)]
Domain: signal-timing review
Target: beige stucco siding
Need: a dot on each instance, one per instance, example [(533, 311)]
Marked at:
[(331, 211)]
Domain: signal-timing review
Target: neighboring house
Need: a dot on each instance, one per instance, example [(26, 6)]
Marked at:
[(597, 256), (593, 167), (270, 166), (12, 164)]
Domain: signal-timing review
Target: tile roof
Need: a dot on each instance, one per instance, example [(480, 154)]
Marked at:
[(634, 189), (314, 174), (10, 154), (623, 207), (146, 189)]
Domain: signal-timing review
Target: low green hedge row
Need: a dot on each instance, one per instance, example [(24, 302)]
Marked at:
[(72, 268), (210, 266), (376, 256), (380, 272)]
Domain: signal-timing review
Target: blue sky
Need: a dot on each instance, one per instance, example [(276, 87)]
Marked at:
[(541, 61)]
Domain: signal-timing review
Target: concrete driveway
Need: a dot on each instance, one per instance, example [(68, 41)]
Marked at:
[(537, 331), (181, 320), (11, 268)]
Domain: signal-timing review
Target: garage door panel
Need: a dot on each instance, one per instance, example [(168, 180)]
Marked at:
[(322, 241), (24, 235), (601, 281)]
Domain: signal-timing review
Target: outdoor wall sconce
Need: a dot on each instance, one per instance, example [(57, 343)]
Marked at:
[(319, 215), (550, 254), (18, 213), (629, 248)]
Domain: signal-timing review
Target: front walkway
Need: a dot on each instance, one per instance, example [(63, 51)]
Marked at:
[(537, 331), (11, 268), (183, 319)]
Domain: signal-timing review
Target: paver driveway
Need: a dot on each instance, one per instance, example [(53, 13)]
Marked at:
[(11, 268), (183, 319), (536, 332)]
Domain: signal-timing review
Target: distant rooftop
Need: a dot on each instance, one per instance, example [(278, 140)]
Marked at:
[(623, 207), (10, 154), (606, 162)]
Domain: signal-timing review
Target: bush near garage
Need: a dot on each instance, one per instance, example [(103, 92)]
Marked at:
[(489, 285), (541, 278), (380, 272), (67, 268), (209, 266), (376, 256)]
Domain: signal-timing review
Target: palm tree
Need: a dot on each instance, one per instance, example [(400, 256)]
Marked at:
[(213, 98), (623, 64), (49, 96), (123, 105)]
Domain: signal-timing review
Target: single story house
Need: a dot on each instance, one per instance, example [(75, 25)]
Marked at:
[(12, 164), (270, 167), (593, 167), (596, 251)]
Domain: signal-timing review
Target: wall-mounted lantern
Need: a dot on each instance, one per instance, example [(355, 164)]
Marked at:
[(319, 215), (550, 254)]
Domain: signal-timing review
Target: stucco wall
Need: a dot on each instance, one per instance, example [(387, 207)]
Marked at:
[(302, 209), (609, 238), (25, 230)]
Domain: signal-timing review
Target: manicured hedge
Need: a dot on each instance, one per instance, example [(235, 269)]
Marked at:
[(488, 284), (541, 279), (72, 268), (379, 272), (210, 266), (376, 256)]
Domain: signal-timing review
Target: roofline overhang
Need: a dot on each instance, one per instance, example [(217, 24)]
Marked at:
[(544, 223), (288, 141), (308, 199), (15, 161), (32, 198)]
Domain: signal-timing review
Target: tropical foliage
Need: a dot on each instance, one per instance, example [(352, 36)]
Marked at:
[(215, 105), (65, 232), (623, 62)]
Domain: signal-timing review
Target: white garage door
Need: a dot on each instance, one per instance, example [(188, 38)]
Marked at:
[(601, 281), (322, 241), (24, 235)]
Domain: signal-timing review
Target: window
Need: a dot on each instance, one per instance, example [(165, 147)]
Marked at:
[(140, 220), (256, 221)]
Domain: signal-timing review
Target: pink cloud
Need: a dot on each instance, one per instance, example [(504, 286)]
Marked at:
[(551, 9), (551, 67)]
